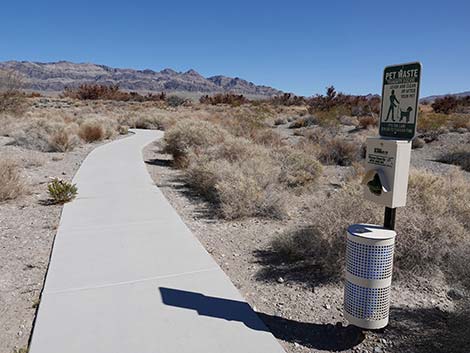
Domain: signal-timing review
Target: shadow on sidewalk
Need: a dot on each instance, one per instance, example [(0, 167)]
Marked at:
[(324, 337)]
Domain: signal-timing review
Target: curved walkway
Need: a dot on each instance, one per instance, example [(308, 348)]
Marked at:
[(127, 276)]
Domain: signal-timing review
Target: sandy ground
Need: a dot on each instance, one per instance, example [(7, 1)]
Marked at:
[(27, 231), (304, 314)]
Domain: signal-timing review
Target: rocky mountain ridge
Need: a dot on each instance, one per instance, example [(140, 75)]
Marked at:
[(55, 76)]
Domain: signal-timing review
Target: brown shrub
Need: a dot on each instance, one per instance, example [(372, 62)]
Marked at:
[(280, 121), (250, 189), (191, 136), (151, 122), (340, 152), (227, 98), (240, 186), (62, 141), (433, 225), (366, 122), (298, 168), (303, 122), (11, 184), (12, 100), (109, 92), (459, 156), (91, 131)]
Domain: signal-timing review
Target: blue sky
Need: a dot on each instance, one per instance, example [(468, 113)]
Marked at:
[(298, 46)]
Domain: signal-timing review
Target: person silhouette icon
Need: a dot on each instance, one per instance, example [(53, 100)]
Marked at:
[(391, 108)]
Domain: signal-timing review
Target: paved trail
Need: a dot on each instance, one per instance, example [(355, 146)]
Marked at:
[(127, 275)]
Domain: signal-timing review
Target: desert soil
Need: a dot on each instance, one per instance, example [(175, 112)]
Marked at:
[(27, 230), (304, 314)]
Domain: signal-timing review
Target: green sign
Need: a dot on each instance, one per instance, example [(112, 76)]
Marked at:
[(400, 95)]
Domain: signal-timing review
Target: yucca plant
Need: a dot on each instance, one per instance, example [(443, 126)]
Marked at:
[(61, 191)]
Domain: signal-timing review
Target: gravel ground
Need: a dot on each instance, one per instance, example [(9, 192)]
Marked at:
[(27, 231), (304, 314)]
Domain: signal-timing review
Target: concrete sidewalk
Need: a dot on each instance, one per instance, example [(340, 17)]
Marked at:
[(127, 275)]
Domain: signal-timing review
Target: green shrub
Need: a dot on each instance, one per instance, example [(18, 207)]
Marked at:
[(61, 191)]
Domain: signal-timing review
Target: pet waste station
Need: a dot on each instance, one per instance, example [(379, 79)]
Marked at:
[(370, 248)]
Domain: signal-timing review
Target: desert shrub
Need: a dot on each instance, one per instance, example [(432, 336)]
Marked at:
[(303, 122), (445, 105), (280, 121), (435, 223), (318, 135), (366, 122), (321, 245), (339, 151), (240, 178), (417, 142), (123, 129), (175, 101), (108, 92), (459, 156), (267, 137), (297, 167), (12, 100), (41, 135), (347, 104), (91, 131), (11, 184), (62, 141), (61, 191), (234, 149), (234, 100), (250, 189), (191, 135), (287, 99), (150, 122)]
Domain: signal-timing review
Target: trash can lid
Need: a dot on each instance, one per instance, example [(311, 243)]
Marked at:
[(371, 231)]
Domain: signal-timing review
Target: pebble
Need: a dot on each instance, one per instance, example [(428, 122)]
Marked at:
[(378, 350), (280, 280), (327, 306)]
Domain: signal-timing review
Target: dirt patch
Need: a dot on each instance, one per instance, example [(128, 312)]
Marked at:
[(27, 231)]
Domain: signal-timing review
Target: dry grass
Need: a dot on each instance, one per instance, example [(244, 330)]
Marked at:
[(63, 141), (11, 184), (12, 100), (191, 135), (91, 131), (433, 230), (340, 152), (439, 122), (460, 157), (366, 122), (298, 167), (240, 178)]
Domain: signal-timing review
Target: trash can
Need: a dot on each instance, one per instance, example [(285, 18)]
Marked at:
[(369, 265)]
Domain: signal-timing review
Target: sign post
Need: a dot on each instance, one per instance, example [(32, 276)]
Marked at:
[(369, 249), (400, 93)]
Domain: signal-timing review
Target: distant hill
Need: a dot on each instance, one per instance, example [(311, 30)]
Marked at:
[(431, 99), (55, 76)]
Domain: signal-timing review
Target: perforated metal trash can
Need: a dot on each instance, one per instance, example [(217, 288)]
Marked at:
[(369, 264)]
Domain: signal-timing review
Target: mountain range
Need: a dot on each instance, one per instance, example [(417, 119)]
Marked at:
[(55, 76), (431, 99)]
